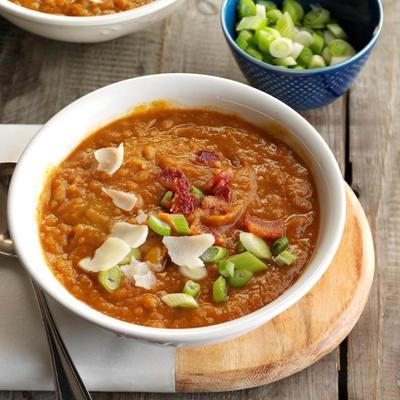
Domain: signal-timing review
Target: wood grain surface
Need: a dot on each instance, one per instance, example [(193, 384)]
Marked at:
[(302, 334), (38, 77)]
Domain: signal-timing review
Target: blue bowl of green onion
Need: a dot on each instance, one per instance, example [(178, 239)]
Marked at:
[(305, 53)]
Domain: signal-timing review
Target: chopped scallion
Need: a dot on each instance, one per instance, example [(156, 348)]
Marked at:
[(240, 278), (246, 35), (247, 8), (191, 288), (251, 23), (226, 268), (166, 200), (248, 261), (280, 245), (158, 226), (220, 290), (255, 245), (285, 258), (110, 279), (179, 300), (213, 254), (180, 224)]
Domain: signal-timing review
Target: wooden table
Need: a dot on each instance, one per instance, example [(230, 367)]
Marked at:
[(38, 77)]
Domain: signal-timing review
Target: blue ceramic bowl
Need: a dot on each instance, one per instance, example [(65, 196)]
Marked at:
[(303, 90)]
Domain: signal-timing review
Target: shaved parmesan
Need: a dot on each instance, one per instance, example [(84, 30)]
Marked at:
[(139, 274), (133, 235), (110, 253), (110, 158), (124, 200), (185, 251), (141, 217)]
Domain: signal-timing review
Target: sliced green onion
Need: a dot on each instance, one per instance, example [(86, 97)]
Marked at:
[(220, 290), (280, 245), (273, 16), (240, 278), (317, 62), (285, 26), (269, 5), (299, 67), (337, 31), (166, 200), (158, 226), (180, 224), (318, 43), (226, 268), (305, 57), (303, 37), (179, 300), (110, 279), (317, 18), (196, 274), (251, 23), (340, 48), (213, 254), (264, 37), (281, 47), (261, 11), (242, 41), (248, 261), (251, 51), (295, 10), (328, 37), (339, 60), (134, 253), (247, 8), (285, 258), (296, 50), (327, 55), (255, 245), (191, 288)]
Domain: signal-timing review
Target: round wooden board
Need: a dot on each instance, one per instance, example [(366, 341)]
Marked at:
[(301, 335)]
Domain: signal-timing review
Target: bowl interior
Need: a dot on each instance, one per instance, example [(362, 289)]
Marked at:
[(359, 18), (69, 127)]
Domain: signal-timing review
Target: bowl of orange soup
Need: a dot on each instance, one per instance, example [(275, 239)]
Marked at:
[(179, 209), (85, 21)]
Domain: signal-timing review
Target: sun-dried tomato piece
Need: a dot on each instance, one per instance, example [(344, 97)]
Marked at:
[(183, 201), (270, 230), (206, 157), (218, 185)]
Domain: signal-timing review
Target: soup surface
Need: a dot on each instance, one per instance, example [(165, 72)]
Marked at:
[(81, 8), (246, 181)]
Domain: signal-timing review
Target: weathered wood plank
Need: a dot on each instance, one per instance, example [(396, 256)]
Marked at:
[(43, 76), (374, 346)]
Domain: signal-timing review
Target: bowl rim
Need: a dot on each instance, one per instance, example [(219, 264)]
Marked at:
[(94, 20), (287, 71), (205, 334)]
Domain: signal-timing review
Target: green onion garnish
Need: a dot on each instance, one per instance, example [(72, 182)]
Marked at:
[(158, 226), (317, 18), (226, 268), (337, 31), (280, 245), (246, 8), (179, 300), (166, 200), (180, 224), (240, 278), (251, 23), (247, 261), (213, 254), (255, 245), (285, 258), (134, 253), (110, 279), (197, 192), (220, 290), (191, 288)]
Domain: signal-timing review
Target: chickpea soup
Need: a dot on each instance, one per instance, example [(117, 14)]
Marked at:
[(179, 218)]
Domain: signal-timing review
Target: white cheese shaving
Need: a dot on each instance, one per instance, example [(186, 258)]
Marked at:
[(185, 251), (139, 274), (110, 253), (133, 235), (110, 158), (141, 217), (124, 200)]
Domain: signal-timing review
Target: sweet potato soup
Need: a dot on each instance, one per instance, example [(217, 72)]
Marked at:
[(179, 218), (81, 8)]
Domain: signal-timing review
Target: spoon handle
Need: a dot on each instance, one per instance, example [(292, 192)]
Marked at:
[(69, 385)]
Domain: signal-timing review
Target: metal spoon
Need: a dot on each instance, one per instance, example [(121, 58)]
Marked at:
[(69, 385)]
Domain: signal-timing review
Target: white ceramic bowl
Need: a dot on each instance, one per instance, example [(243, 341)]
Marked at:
[(69, 127), (87, 29)]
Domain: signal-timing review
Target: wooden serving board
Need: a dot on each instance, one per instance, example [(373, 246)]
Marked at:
[(301, 335)]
